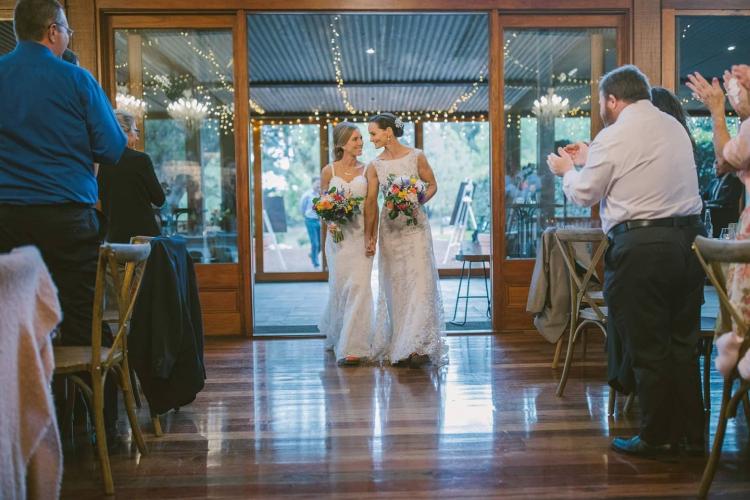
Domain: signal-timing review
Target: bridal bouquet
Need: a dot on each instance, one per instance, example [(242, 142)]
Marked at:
[(336, 208), (404, 195)]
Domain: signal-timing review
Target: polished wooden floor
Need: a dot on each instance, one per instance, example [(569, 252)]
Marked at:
[(279, 419)]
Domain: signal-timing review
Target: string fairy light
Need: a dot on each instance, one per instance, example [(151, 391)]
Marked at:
[(335, 34)]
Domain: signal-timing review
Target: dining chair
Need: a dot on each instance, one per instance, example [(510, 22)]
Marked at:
[(714, 255), (98, 362)]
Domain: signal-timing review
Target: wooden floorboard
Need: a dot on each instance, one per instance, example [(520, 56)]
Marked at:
[(279, 419)]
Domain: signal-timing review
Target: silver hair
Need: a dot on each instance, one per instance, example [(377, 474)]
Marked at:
[(126, 120)]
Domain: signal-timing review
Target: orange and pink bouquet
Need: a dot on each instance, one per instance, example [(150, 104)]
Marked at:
[(404, 195), (336, 208)]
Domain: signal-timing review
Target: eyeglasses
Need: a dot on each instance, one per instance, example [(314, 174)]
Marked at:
[(60, 25)]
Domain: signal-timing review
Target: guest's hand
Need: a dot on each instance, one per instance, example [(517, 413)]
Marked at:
[(579, 152), (742, 73), (709, 94), (739, 100), (560, 165)]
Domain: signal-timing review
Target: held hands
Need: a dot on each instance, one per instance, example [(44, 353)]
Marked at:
[(709, 94), (370, 244)]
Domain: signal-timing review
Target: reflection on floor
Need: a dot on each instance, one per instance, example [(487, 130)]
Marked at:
[(278, 419), (295, 307)]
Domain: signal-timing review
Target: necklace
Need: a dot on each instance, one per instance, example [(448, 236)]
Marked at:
[(350, 172)]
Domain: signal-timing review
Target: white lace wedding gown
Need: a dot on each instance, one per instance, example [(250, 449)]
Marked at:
[(347, 318), (409, 316)]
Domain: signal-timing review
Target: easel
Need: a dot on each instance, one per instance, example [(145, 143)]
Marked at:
[(274, 242), (464, 216)]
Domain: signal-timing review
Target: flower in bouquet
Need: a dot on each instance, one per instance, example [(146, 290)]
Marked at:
[(403, 196), (336, 208)]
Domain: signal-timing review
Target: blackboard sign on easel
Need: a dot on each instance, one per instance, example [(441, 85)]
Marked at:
[(274, 206), (459, 207)]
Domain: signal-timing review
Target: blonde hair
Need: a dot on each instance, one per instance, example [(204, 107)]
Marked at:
[(341, 135)]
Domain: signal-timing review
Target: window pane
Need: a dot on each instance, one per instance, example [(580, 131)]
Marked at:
[(185, 80), (709, 45), (550, 75), (459, 153), (290, 162)]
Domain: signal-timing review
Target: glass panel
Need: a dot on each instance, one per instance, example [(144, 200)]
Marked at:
[(550, 75), (7, 37), (324, 68), (290, 163), (709, 45), (459, 153), (180, 85)]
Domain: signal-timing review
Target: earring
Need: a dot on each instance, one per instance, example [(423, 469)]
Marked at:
[(388, 141)]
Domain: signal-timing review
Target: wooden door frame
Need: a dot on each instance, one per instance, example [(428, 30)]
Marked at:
[(511, 277), (227, 287)]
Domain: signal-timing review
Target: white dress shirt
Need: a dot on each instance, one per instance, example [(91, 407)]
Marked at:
[(640, 167)]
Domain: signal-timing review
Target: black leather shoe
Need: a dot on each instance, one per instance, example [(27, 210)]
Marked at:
[(636, 446)]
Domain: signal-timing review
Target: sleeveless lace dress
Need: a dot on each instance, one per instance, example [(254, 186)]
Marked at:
[(347, 318), (409, 316)]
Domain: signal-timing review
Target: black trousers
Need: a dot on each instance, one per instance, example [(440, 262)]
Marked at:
[(653, 287), (68, 237)]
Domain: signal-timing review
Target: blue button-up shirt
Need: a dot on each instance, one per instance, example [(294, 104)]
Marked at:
[(55, 122)]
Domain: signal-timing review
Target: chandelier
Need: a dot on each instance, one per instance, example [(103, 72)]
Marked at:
[(550, 105), (188, 109), (131, 104)]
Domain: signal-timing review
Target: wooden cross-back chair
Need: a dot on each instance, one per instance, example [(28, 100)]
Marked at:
[(587, 307), (98, 361), (713, 254)]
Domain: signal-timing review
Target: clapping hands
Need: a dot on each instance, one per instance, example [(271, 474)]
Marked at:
[(709, 94)]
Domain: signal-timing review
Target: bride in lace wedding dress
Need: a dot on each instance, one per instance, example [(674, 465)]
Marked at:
[(347, 318), (409, 318)]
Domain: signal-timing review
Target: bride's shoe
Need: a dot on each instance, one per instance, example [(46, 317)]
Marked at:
[(350, 361)]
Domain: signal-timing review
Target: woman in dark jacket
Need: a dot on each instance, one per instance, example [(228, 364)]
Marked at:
[(129, 189)]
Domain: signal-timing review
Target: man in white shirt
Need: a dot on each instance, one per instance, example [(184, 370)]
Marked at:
[(641, 170)]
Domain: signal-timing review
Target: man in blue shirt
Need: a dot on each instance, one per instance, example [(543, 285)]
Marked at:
[(55, 122), (312, 222)]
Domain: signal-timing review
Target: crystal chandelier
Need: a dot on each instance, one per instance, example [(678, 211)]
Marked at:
[(188, 109), (550, 105), (131, 104)]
